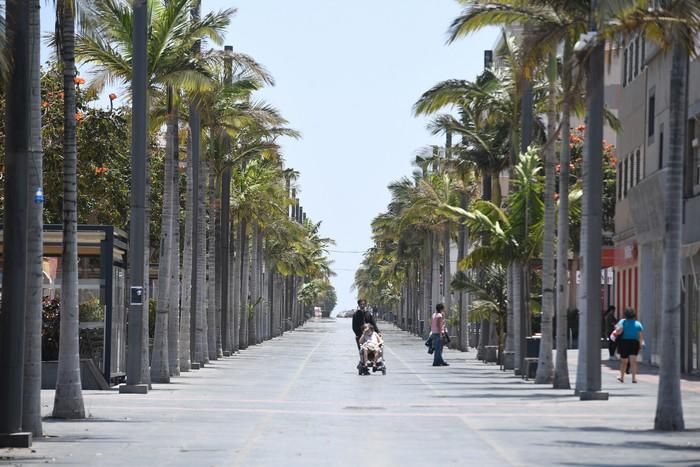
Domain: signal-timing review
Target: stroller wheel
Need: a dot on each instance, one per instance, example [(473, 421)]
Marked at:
[(384, 371)]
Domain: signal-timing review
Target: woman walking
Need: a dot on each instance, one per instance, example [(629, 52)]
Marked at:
[(630, 340), (437, 329)]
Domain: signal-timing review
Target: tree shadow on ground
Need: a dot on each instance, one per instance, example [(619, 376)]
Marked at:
[(81, 438), (536, 396), (646, 369), (608, 464), (626, 430), (627, 444), (51, 420), (15, 460)]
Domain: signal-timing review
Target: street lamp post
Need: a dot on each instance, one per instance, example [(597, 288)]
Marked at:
[(134, 366)]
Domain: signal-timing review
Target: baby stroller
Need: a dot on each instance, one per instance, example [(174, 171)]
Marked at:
[(364, 369)]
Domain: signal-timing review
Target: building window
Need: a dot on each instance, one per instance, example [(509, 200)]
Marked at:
[(630, 60), (661, 146), (652, 116), (632, 179), (638, 165), (636, 55), (624, 69), (627, 177), (694, 136), (619, 180)]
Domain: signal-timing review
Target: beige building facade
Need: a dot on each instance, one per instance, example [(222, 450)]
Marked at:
[(639, 214)]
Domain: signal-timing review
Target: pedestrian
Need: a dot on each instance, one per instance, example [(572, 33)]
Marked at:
[(361, 317), (610, 320), (629, 341), (437, 329)]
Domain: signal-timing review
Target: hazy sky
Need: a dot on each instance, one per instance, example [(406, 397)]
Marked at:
[(347, 75)]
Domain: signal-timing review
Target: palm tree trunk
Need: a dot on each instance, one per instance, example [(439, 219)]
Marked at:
[(461, 253), (244, 266), (235, 267), (175, 288), (202, 342), (262, 305), (31, 401), (187, 275), (447, 271), (522, 316), (508, 351), (68, 400), (219, 260), (561, 366), (277, 303), (669, 408), (435, 272), (18, 144), (254, 288), (213, 322), (426, 283), (160, 369), (145, 337), (518, 347), (545, 364), (225, 269)]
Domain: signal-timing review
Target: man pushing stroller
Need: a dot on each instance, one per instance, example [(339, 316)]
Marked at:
[(361, 317), (368, 339)]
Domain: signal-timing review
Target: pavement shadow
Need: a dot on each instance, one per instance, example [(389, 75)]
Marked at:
[(693, 462), (535, 396), (635, 445), (15, 460), (599, 429), (82, 438), (51, 420), (647, 369)]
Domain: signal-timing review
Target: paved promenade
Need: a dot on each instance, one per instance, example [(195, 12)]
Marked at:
[(298, 401)]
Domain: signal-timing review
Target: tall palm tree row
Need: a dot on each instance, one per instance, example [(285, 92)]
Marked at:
[(244, 164), (674, 27), (519, 226)]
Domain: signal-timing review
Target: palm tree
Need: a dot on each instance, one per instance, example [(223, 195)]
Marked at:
[(68, 400), (185, 356), (31, 404), (172, 66), (548, 24), (488, 123), (17, 146), (561, 367), (513, 238)]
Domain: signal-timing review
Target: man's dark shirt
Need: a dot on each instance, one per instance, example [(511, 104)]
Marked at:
[(360, 318)]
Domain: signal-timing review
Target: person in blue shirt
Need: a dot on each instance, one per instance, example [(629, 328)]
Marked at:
[(630, 339)]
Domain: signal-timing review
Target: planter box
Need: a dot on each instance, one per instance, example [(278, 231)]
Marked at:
[(90, 376)]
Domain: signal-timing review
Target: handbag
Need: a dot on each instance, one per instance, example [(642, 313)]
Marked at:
[(445, 338), (429, 345)]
